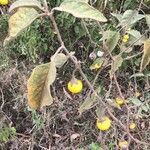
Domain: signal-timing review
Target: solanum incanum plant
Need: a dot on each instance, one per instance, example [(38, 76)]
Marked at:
[(43, 76)]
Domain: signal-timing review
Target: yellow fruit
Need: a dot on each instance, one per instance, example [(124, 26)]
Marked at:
[(97, 66), (132, 126), (75, 86), (123, 144), (3, 2), (119, 101), (125, 38), (103, 124)]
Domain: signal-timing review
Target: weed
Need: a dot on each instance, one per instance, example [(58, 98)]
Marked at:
[(7, 133)]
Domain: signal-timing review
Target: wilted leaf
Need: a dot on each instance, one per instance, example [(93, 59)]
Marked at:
[(100, 111), (25, 3), (146, 56), (59, 59), (148, 20), (87, 104), (41, 79), (19, 21), (111, 39), (39, 85), (130, 17), (117, 62), (81, 9)]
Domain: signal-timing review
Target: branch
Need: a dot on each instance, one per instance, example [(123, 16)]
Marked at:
[(77, 65)]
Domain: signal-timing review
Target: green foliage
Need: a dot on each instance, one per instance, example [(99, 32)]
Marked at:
[(37, 119), (95, 146), (7, 133), (3, 26), (34, 41)]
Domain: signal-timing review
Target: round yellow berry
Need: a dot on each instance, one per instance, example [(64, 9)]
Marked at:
[(97, 66), (103, 124), (75, 86), (132, 126), (125, 38), (3, 2), (119, 101), (123, 144)]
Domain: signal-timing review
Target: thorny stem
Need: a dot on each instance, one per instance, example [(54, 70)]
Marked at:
[(50, 14)]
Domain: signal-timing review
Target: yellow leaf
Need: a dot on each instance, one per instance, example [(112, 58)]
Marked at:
[(19, 21), (41, 79), (117, 62), (146, 56), (38, 85)]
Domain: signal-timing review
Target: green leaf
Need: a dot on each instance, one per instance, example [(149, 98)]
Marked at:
[(148, 20), (135, 33), (130, 17), (25, 3), (118, 16), (146, 55), (87, 104), (135, 101), (95, 146), (111, 39), (19, 21), (81, 9), (136, 38)]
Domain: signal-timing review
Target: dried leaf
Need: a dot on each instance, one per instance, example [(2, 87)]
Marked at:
[(146, 56), (111, 39), (59, 59), (25, 3), (89, 102), (117, 62), (19, 21), (41, 79), (81, 9), (39, 85)]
